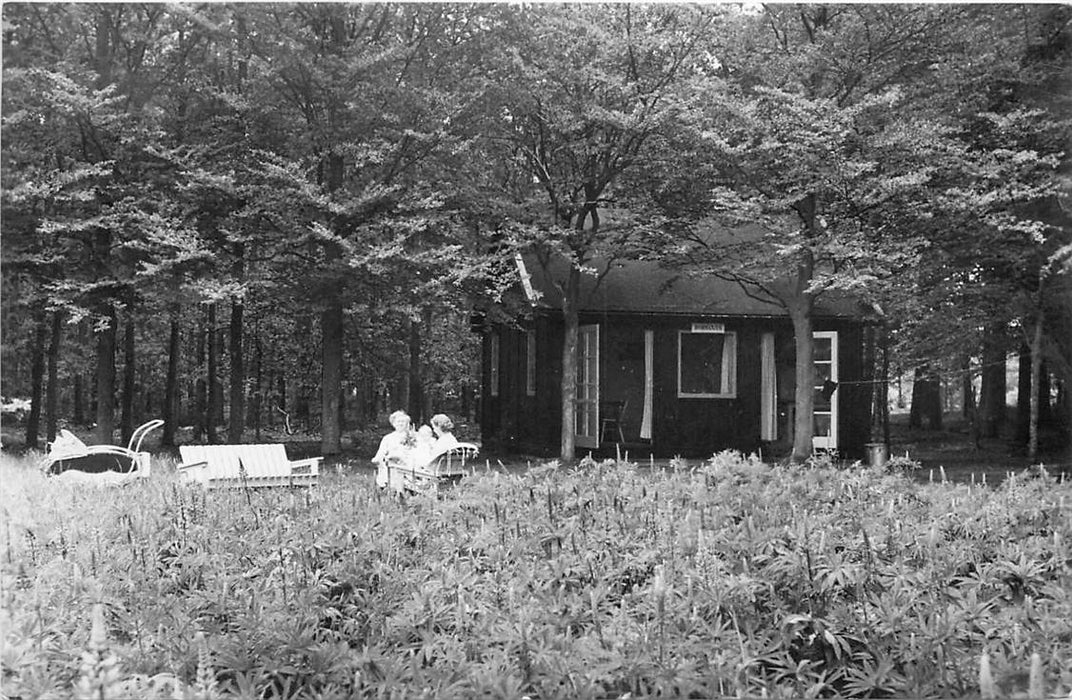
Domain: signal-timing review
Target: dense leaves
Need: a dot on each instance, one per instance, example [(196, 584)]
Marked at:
[(297, 200)]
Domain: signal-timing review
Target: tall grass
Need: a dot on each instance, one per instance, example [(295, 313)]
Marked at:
[(730, 578)]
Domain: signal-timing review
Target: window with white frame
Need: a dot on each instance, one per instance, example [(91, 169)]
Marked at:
[(493, 365), (707, 365), (530, 363)]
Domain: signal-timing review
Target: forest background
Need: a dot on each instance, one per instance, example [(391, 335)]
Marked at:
[(224, 215)]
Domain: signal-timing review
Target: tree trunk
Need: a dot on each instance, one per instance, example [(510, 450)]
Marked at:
[(106, 378), (886, 385), (37, 373), (360, 406), (200, 391), (1036, 367), (427, 408), (258, 383), (992, 394), (467, 402), (400, 390), (286, 395), (236, 417), (212, 407), (331, 329), (570, 297), (800, 309), (804, 399), (415, 403), (926, 410), (1024, 382), (1043, 390), (971, 408), (126, 412), (171, 386), (967, 389), (52, 388), (78, 414)]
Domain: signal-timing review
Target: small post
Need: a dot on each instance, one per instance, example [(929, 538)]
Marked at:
[(987, 688), (1036, 687)]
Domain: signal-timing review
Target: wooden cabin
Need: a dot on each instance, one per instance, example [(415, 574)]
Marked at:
[(670, 365)]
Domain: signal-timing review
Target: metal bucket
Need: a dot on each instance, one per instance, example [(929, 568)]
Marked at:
[(877, 454)]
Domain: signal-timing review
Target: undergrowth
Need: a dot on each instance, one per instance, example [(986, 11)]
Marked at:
[(733, 578)]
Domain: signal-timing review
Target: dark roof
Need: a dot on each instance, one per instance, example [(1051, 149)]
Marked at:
[(646, 287)]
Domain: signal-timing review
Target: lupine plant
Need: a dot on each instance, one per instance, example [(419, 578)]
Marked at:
[(726, 578)]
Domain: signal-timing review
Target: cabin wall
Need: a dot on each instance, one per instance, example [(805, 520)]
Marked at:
[(541, 415), (515, 419), (699, 427), (490, 405), (690, 427)]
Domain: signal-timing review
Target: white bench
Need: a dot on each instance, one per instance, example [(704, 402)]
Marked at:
[(255, 466), (444, 470)]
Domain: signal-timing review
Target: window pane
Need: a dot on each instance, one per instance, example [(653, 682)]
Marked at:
[(705, 360), (823, 349)]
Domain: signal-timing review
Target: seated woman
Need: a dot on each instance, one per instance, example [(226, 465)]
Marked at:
[(425, 446), (442, 426), (395, 447)]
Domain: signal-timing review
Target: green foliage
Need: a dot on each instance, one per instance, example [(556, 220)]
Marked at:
[(733, 577), (374, 163)]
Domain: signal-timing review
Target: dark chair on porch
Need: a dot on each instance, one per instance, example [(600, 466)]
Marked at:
[(610, 418)]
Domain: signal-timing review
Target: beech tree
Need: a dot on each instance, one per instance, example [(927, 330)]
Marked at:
[(347, 184), (811, 141), (79, 83), (584, 89), (827, 135), (989, 283)]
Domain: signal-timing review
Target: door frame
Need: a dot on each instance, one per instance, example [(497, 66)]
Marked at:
[(830, 442), (586, 404)]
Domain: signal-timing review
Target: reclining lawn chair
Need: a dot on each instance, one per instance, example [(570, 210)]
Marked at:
[(443, 471), (68, 453)]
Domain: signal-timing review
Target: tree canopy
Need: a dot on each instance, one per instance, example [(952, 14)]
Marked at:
[(229, 214)]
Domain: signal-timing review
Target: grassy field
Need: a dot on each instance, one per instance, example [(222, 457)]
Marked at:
[(727, 578)]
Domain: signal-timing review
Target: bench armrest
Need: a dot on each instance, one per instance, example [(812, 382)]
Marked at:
[(310, 465)]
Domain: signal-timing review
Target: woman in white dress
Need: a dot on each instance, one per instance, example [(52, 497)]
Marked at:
[(395, 446)]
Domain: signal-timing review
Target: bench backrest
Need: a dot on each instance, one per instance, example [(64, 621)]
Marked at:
[(227, 461), (454, 460)]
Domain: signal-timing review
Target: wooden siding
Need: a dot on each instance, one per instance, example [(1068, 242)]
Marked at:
[(691, 427)]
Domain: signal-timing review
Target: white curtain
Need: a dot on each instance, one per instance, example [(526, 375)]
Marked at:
[(768, 389), (649, 371)]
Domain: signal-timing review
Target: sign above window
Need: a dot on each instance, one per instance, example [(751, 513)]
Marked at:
[(709, 328)]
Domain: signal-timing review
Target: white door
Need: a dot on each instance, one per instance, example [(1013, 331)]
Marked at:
[(586, 432), (826, 398)]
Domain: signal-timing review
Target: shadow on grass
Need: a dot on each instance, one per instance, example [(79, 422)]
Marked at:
[(952, 451)]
